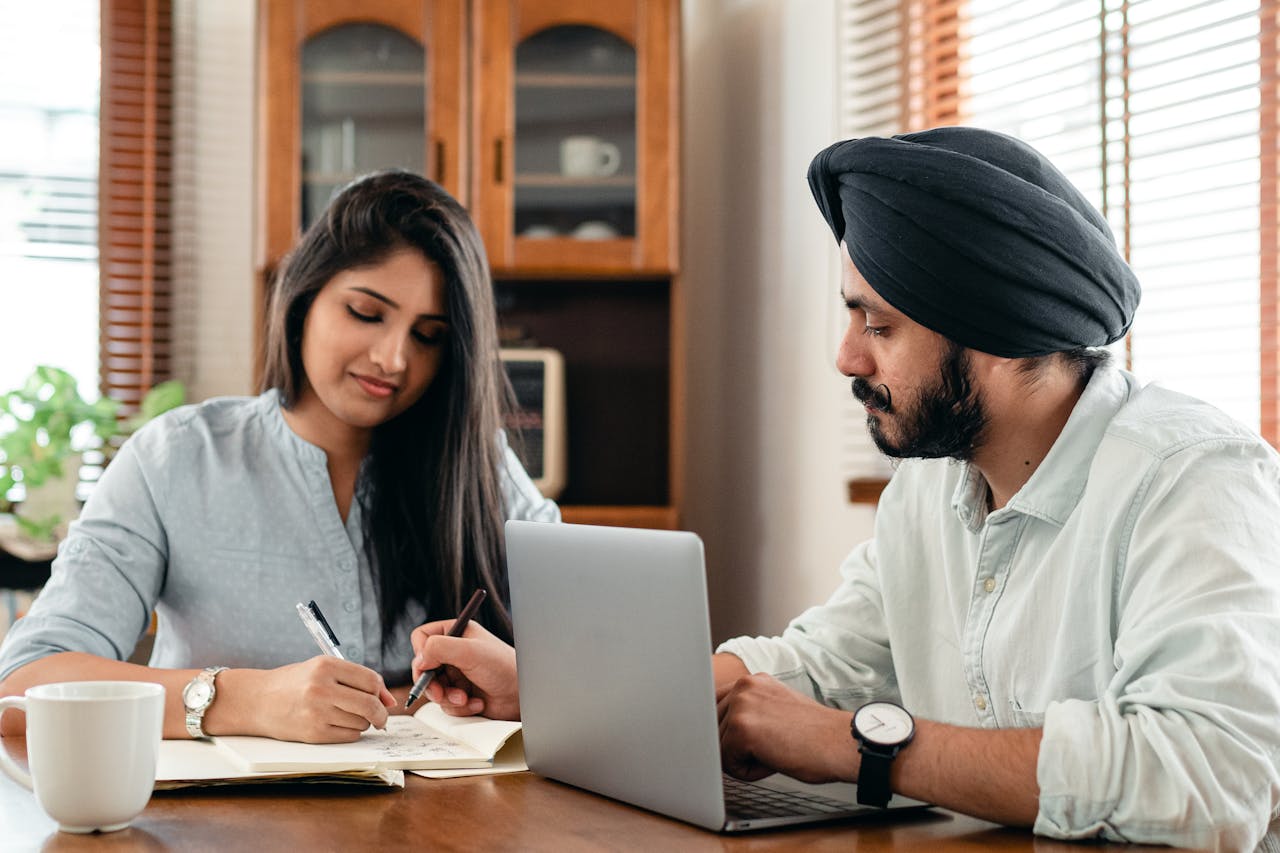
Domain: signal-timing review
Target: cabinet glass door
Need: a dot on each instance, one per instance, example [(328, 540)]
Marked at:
[(575, 135), (363, 108)]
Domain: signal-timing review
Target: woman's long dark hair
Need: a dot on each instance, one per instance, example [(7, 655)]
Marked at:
[(431, 490)]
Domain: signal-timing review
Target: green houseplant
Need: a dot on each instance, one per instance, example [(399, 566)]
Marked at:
[(45, 425)]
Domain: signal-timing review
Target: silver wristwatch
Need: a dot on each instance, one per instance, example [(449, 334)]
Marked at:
[(197, 696)]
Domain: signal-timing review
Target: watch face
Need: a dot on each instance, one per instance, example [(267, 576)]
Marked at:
[(884, 723), (197, 694)]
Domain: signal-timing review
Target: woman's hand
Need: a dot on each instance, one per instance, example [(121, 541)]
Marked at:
[(321, 700), (477, 671)]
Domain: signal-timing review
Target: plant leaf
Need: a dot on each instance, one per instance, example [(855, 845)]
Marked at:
[(163, 397)]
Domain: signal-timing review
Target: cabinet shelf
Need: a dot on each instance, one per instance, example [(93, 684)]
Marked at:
[(551, 179), (575, 81), (658, 517), (364, 78)]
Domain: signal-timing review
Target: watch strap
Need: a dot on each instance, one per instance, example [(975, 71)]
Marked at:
[(195, 716), (873, 776)]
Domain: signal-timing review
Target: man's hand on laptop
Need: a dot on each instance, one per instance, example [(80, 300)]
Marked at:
[(767, 727), (477, 670)]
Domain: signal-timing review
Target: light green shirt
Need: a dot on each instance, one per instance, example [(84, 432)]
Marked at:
[(1127, 599)]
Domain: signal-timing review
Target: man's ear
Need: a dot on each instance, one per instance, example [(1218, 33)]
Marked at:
[(985, 368)]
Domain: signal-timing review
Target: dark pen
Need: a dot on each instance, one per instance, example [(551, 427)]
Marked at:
[(459, 625)]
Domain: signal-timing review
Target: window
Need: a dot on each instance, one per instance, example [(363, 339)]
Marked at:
[(1163, 112), (84, 261), (49, 190)]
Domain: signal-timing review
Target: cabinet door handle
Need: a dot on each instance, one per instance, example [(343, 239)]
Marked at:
[(440, 162), (498, 156)]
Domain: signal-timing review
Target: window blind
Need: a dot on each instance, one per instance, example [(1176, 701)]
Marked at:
[(1153, 108), (134, 198), (49, 190), (1163, 112), (898, 71)]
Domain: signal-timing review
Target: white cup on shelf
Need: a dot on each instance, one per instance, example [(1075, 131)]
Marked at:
[(594, 229), (538, 231), (588, 156), (92, 747)]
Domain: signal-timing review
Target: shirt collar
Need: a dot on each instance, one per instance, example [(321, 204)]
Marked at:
[(1058, 482), (271, 403)]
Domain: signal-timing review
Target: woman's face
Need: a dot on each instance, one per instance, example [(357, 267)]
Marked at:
[(373, 340)]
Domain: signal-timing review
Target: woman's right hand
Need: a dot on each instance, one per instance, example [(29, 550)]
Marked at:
[(321, 700)]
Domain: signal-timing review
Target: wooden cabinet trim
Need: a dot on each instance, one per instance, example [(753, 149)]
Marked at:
[(407, 16), (619, 18)]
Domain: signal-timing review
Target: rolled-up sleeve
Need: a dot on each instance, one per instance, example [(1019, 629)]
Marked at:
[(1181, 748), (837, 652), (106, 578)]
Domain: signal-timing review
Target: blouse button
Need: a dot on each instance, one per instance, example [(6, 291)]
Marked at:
[(350, 606)]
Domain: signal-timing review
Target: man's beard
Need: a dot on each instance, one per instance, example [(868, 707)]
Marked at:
[(947, 420)]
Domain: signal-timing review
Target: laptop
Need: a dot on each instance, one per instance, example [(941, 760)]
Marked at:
[(613, 644)]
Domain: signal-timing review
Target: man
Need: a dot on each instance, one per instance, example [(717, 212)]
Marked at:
[(1073, 584), (1069, 616)]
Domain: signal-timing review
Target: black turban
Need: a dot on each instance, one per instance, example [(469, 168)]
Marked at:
[(975, 235)]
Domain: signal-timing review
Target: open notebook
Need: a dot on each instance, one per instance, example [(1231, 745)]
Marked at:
[(429, 740)]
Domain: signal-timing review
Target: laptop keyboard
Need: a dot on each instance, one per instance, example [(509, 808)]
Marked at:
[(746, 801)]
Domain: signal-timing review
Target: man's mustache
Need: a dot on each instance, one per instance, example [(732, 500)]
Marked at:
[(872, 396)]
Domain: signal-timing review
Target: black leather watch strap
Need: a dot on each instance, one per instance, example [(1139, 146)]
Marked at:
[(873, 777)]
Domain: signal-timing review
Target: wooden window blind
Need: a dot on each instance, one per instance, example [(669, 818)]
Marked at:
[(1155, 109), (134, 198), (899, 71), (1163, 112)]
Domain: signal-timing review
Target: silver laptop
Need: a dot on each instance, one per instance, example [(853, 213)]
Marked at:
[(613, 644)]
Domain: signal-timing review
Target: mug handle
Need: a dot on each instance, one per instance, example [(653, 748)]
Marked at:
[(611, 158), (7, 764)]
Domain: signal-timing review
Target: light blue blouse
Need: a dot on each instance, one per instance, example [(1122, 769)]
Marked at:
[(220, 518)]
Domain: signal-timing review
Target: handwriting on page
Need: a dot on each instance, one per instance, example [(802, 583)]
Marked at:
[(404, 737)]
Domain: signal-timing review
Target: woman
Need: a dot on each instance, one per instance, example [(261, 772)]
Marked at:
[(372, 476)]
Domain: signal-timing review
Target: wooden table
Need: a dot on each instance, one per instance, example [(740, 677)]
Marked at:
[(515, 812)]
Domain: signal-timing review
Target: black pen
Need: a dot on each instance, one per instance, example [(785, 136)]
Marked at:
[(459, 625)]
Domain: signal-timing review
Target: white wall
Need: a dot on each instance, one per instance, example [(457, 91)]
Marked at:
[(215, 49), (765, 486), (764, 482)]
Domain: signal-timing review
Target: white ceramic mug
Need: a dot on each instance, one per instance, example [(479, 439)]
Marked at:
[(588, 156), (92, 747), (594, 229)]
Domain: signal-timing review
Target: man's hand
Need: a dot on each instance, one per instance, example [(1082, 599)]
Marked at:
[(478, 671), (766, 727), (321, 700)]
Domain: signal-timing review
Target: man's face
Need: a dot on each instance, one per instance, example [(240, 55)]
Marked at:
[(915, 384)]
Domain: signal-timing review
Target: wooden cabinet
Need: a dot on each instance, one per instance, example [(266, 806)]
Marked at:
[(575, 105), (347, 87), (556, 123)]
